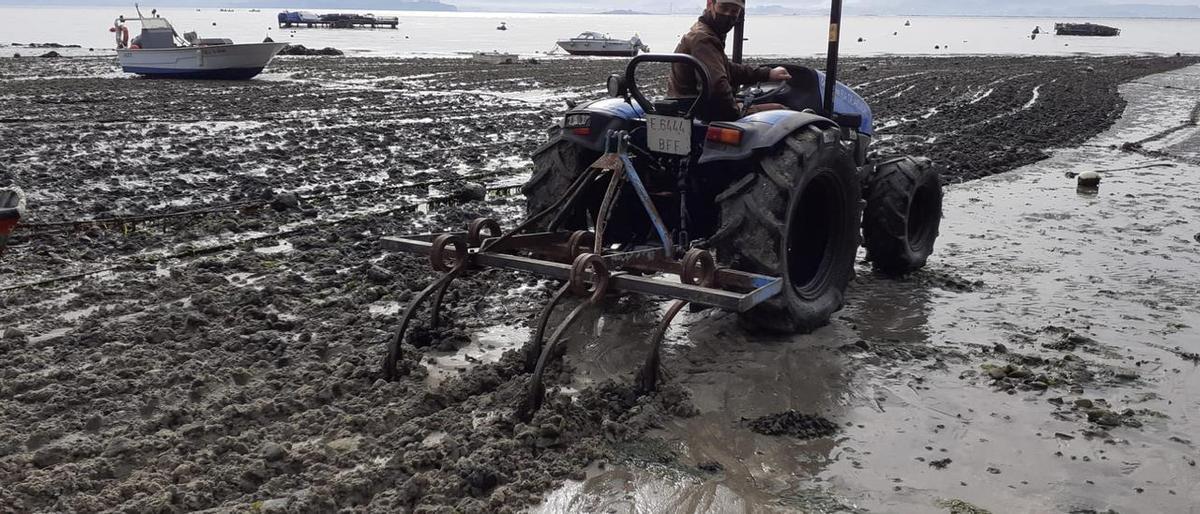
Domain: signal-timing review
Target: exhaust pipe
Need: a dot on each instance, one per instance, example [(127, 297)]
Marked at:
[(739, 33), (831, 62)]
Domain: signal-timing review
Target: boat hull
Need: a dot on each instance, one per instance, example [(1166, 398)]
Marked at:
[(599, 47), (603, 53), (220, 62)]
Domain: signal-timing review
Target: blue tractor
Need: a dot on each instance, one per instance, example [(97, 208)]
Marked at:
[(761, 216), (778, 193)]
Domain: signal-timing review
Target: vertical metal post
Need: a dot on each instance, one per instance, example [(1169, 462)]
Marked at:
[(831, 61), (739, 33)]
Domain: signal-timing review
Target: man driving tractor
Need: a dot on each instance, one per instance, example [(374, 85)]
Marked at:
[(706, 42)]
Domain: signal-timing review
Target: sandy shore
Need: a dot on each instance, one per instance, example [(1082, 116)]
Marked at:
[(228, 359)]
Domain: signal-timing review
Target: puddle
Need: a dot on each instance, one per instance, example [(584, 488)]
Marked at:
[(486, 346)]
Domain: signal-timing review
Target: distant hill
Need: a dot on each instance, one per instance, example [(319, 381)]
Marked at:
[(324, 5), (624, 11)]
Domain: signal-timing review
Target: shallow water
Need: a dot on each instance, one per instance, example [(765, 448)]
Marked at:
[(1023, 256), (426, 33)]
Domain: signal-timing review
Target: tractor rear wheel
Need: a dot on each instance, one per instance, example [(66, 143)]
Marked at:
[(903, 214), (795, 216), (556, 165)]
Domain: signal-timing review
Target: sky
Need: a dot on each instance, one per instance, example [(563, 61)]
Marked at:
[(1190, 8), (1075, 8)]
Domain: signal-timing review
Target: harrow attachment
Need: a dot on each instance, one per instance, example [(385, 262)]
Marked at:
[(589, 268)]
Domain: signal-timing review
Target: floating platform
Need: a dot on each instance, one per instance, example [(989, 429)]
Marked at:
[(293, 19), (1085, 29)]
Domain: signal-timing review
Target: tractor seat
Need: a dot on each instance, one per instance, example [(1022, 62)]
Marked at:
[(800, 93), (675, 106)]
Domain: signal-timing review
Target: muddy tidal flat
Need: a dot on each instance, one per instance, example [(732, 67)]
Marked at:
[(193, 315)]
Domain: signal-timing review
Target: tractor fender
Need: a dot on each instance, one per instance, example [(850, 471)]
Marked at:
[(761, 130), (604, 115)]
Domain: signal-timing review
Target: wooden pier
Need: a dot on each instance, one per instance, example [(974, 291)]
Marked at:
[(296, 19)]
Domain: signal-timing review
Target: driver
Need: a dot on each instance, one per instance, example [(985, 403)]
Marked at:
[(706, 42)]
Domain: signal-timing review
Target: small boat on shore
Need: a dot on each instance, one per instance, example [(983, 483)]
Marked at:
[(595, 43), (1085, 29), (12, 207), (158, 51), (495, 57)]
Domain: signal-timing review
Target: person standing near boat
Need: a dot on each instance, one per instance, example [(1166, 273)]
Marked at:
[(706, 42)]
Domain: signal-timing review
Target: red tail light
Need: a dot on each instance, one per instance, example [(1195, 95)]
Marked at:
[(725, 136)]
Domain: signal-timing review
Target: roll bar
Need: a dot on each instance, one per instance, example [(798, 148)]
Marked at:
[(631, 77)]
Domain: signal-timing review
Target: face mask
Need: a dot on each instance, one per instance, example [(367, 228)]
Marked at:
[(722, 23)]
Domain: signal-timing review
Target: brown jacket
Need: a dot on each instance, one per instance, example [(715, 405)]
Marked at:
[(703, 43)]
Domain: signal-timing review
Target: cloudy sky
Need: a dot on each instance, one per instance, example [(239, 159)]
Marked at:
[(1088, 8), (962, 7)]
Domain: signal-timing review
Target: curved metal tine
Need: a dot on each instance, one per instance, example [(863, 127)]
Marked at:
[(647, 377), (610, 199), (535, 344), (537, 390), (394, 345), (435, 314), (572, 192)]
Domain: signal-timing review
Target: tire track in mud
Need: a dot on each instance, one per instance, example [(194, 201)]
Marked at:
[(243, 377)]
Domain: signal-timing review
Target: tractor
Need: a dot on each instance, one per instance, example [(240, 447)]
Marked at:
[(777, 193), (762, 216)]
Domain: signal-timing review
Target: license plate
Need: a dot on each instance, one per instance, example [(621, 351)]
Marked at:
[(668, 134)]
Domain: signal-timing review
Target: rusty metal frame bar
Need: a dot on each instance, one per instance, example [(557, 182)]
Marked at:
[(734, 290)]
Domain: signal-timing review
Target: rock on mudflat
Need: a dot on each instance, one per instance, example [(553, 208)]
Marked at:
[(273, 452), (1089, 179), (471, 192), (378, 275), (285, 201)]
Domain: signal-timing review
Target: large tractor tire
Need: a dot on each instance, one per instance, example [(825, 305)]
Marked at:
[(794, 215), (556, 165), (903, 214)]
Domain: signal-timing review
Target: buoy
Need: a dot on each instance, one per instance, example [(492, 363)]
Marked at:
[(1088, 180)]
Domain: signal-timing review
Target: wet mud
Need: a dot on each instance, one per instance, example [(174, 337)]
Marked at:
[(1043, 362), (227, 357)]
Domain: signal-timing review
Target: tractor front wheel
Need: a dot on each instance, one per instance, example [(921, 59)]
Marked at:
[(903, 214), (795, 215)]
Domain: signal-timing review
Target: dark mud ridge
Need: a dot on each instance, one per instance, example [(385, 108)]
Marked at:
[(792, 423), (228, 357), (303, 50)]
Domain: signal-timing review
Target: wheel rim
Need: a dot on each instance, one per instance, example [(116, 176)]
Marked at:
[(923, 215), (812, 230)]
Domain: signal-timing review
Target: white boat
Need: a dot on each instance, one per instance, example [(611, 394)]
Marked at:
[(158, 51), (595, 43), (495, 57)]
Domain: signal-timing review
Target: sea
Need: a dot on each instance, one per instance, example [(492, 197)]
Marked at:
[(534, 34)]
